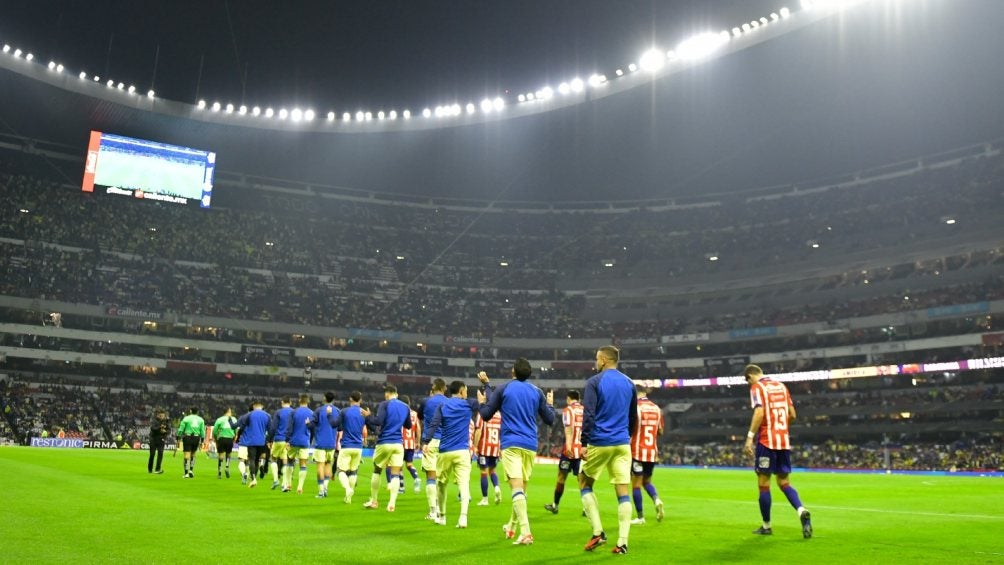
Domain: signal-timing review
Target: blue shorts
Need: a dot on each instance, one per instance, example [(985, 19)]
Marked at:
[(487, 462), (768, 461), (409, 455), (566, 465), (642, 468)]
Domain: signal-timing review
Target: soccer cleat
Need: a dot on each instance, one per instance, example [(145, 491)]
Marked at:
[(462, 522), (275, 485), (286, 489), (219, 475), (432, 515), (507, 532), (525, 539), (158, 472), (440, 520), (498, 496), (620, 549), (551, 508), (596, 541), (483, 501), (390, 508), (321, 495), (806, 524), (401, 490), (660, 513), (418, 488), (762, 531), (227, 472), (638, 522), (299, 491), (244, 479), (348, 496), (371, 505), (253, 483)]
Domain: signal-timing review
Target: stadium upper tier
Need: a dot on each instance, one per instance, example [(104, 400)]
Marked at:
[(860, 247)]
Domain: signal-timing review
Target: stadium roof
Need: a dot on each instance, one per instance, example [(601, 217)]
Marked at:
[(889, 80)]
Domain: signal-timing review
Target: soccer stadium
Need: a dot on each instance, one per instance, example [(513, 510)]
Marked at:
[(382, 248)]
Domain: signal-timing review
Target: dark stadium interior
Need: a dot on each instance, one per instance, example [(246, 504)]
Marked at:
[(826, 200)]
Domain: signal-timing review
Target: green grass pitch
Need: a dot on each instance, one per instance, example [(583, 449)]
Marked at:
[(93, 506)]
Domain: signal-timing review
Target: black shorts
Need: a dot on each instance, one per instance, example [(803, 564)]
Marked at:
[(190, 444), (224, 445), (566, 465), (487, 462), (642, 468)]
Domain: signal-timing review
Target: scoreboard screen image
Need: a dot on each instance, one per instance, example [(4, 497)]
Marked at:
[(149, 170)]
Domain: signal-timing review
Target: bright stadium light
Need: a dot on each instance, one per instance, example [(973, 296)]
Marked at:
[(700, 46), (426, 113), (498, 104), (360, 116), (736, 32), (97, 78), (619, 72), (230, 108), (546, 92), (785, 12), (331, 116), (29, 57), (632, 67), (308, 115), (216, 106), (6, 48), (596, 80), (346, 117), (82, 75), (774, 16), (406, 114), (17, 52), (110, 83), (150, 94), (486, 105), (564, 88), (368, 116), (531, 96), (256, 111), (132, 89), (470, 108), (381, 115), (763, 21), (746, 28), (121, 86), (201, 105), (521, 98), (652, 60), (242, 110), (52, 65), (392, 115), (59, 68), (577, 84), (283, 113), (296, 115), (456, 109), (754, 24), (269, 112)]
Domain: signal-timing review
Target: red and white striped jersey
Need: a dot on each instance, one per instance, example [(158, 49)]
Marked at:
[(774, 398), (408, 436), (645, 442), (571, 417), (491, 430)]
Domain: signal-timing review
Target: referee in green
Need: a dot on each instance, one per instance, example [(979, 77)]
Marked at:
[(223, 434), (191, 433)]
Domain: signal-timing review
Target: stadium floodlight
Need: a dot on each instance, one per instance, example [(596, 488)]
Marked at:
[(381, 115), (230, 108), (763, 21), (17, 52), (712, 257), (132, 89), (331, 116), (950, 221), (52, 65), (785, 12), (774, 16), (486, 105), (59, 68), (369, 116), (619, 72), (110, 83), (269, 112), (503, 263), (438, 111), (346, 117), (283, 113), (700, 46), (406, 114), (121, 86), (360, 116), (547, 92), (242, 110), (498, 104), (151, 94), (470, 108), (216, 106), (256, 111), (652, 60), (456, 109), (531, 96), (577, 84), (596, 80), (97, 78), (296, 115), (201, 105), (392, 114), (564, 88), (29, 57), (746, 28), (426, 113), (521, 98), (82, 75), (309, 115), (736, 32), (754, 24), (6, 48), (632, 67)]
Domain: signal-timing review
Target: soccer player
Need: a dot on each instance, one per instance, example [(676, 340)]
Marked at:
[(522, 403), (392, 415), (242, 448), (430, 444), (773, 410), (298, 438), (350, 448), (277, 437), (408, 436), (609, 419), (224, 430), (324, 422), (191, 432), (645, 454), (254, 427), (453, 419), (486, 438), (571, 453)]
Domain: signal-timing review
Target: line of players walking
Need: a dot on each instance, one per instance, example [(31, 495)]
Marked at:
[(612, 428)]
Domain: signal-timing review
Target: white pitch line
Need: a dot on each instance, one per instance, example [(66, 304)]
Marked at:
[(851, 509)]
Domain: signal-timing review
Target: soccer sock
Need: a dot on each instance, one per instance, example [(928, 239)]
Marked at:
[(414, 473), (465, 498), (441, 498), (274, 467), (559, 489), (219, 466), (287, 475), (343, 480), (636, 495), (375, 480), (327, 479), (792, 495), (243, 468), (623, 519), (353, 478), (320, 486), (395, 485), (228, 461), (592, 510), (765, 504), (484, 484), (300, 477), (431, 495), (652, 493), (388, 475), (495, 479), (519, 507)]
